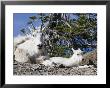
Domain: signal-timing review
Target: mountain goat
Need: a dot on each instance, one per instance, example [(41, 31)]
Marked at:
[(29, 48), (74, 60)]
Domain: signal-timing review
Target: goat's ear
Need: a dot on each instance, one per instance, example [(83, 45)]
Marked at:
[(79, 49), (72, 49)]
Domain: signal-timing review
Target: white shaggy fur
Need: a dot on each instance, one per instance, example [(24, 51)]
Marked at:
[(19, 39), (28, 48), (40, 59), (21, 56), (47, 63), (72, 61)]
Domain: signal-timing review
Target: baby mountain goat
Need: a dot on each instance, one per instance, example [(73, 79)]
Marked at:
[(74, 60)]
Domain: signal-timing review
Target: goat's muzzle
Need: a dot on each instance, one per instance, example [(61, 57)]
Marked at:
[(82, 59), (40, 46)]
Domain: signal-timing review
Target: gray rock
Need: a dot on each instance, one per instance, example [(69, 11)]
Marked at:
[(39, 69)]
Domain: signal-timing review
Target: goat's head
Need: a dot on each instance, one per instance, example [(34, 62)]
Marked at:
[(38, 39), (77, 56), (77, 52)]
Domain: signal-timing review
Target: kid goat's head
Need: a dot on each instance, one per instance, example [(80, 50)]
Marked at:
[(77, 52)]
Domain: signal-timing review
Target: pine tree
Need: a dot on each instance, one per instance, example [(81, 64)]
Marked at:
[(67, 30)]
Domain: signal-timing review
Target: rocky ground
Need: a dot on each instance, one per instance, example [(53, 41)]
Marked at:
[(38, 69)]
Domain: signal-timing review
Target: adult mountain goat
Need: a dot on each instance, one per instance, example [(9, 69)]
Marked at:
[(29, 48)]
